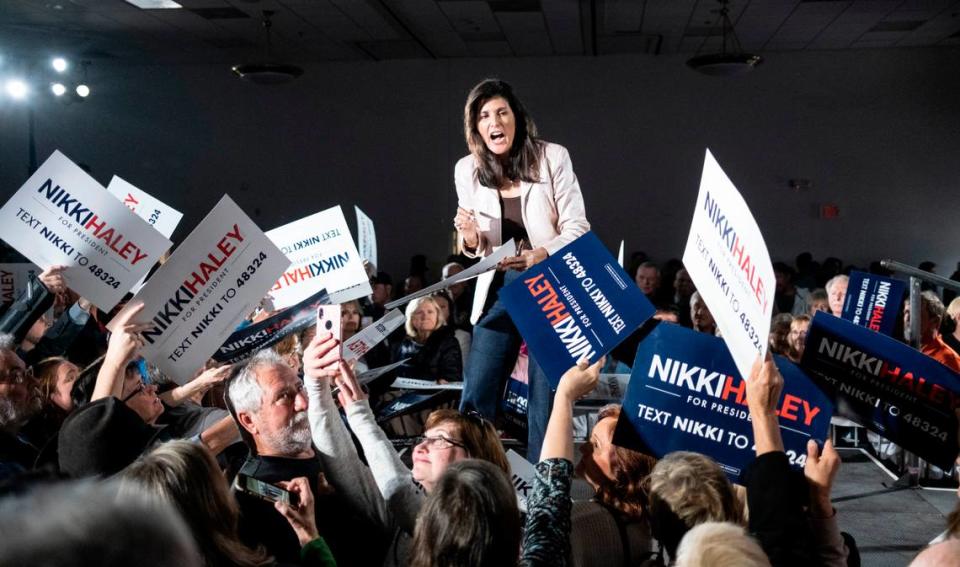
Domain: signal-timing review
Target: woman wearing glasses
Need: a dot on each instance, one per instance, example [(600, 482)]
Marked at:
[(386, 487)]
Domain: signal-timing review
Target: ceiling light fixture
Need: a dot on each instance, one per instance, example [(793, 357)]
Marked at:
[(267, 72), (83, 91), (154, 4), (58, 89), (17, 89), (725, 64), (59, 64)]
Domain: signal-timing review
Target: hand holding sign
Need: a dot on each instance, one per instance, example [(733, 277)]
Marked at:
[(580, 380), (125, 340), (820, 469), (524, 259), (763, 392), (52, 279)]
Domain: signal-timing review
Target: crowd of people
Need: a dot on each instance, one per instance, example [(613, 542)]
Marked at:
[(282, 459)]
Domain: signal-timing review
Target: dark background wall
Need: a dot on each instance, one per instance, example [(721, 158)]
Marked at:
[(876, 131)]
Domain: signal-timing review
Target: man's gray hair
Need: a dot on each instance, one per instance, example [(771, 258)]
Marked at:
[(835, 280), (8, 342), (244, 391), (445, 271), (932, 305)]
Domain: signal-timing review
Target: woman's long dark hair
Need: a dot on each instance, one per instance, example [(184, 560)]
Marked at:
[(523, 163)]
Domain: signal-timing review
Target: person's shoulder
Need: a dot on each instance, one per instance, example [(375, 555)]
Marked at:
[(466, 164), (554, 153)]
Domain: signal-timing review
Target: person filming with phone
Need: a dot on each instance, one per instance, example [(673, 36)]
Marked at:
[(269, 403)]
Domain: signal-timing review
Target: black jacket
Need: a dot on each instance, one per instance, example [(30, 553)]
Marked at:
[(438, 358)]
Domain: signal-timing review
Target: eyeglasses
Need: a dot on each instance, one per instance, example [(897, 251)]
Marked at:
[(16, 375), (140, 387), (439, 442)]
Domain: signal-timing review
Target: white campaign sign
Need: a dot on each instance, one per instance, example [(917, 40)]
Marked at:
[(485, 265), (418, 384), (62, 216), (522, 476), (323, 256), (370, 336), (366, 237), (374, 373), (211, 282), (13, 280), (728, 261), (160, 215)]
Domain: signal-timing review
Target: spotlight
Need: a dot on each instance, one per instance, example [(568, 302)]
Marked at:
[(17, 89), (58, 89), (83, 91), (59, 64)]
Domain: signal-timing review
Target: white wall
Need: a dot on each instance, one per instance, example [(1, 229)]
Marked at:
[(877, 131)]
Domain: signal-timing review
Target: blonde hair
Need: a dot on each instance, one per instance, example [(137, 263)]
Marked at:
[(412, 307), (687, 489), (954, 308), (719, 543)]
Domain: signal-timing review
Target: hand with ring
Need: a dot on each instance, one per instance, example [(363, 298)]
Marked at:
[(466, 224)]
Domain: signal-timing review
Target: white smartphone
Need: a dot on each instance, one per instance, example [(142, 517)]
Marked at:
[(328, 320)]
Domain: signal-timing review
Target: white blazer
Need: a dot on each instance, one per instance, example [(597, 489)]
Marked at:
[(553, 210)]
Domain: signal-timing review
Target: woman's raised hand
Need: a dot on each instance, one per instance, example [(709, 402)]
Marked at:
[(466, 224)]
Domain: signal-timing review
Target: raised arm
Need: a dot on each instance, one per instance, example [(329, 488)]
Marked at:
[(199, 385), (394, 480), (125, 342), (546, 535), (344, 469)]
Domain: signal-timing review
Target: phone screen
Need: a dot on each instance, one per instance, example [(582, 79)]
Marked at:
[(265, 490)]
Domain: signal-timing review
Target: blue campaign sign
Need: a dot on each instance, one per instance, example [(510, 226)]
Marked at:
[(578, 303), (886, 386), (685, 394), (873, 301), (243, 343)]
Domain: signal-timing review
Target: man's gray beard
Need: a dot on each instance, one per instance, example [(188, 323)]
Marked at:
[(14, 415), (293, 438)]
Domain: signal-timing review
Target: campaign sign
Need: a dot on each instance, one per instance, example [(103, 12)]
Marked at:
[(361, 343), (685, 394), (366, 237), (211, 282), (323, 256), (578, 303), (873, 301), (245, 342), (13, 280), (160, 215), (886, 386), (728, 261), (62, 216)]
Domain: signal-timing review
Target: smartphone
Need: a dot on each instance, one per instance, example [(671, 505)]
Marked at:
[(328, 320), (265, 490)]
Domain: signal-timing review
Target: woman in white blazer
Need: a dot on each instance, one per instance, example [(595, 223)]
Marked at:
[(512, 185)]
